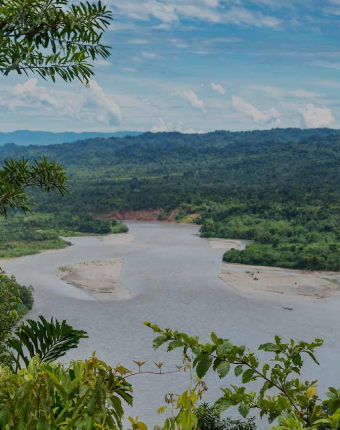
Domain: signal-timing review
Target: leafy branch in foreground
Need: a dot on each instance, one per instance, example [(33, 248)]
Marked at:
[(82, 395), (282, 394), (18, 175), (52, 37), (47, 340)]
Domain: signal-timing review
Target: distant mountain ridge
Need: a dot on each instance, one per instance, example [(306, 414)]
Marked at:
[(28, 137)]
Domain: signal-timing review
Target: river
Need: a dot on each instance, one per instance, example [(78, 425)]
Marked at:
[(172, 275)]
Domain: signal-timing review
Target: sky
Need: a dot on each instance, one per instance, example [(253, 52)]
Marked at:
[(196, 66)]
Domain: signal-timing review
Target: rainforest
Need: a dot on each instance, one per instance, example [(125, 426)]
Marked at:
[(277, 188)]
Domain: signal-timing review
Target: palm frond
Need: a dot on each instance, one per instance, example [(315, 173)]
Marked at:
[(48, 340)]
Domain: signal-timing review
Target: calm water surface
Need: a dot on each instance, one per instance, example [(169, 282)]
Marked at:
[(172, 275)]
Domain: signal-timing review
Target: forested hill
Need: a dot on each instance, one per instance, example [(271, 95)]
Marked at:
[(280, 187), (28, 137)]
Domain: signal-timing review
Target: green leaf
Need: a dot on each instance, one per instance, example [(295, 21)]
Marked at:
[(225, 348), (244, 410), (174, 344), (42, 424), (247, 376), (49, 340), (269, 347), (223, 369), (214, 338), (238, 370), (158, 341), (203, 366)]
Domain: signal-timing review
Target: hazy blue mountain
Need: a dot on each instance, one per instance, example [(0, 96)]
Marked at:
[(27, 137)]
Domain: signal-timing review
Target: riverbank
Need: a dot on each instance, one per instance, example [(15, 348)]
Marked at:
[(226, 244), (294, 283), (100, 279)]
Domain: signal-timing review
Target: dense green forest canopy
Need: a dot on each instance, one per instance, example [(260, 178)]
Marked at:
[(279, 187)]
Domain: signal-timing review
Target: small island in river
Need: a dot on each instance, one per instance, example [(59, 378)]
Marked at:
[(296, 283), (100, 279)]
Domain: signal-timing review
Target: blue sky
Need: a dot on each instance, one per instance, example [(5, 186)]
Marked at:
[(197, 66)]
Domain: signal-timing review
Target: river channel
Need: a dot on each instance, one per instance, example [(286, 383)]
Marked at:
[(172, 275)]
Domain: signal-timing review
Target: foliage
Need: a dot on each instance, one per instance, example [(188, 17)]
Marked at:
[(82, 395), (209, 418), (17, 175), (52, 37), (28, 234), (282, 395), (47, 340), (15, 301)]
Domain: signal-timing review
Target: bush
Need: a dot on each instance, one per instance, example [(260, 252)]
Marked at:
[(209, 418), (81, 395)]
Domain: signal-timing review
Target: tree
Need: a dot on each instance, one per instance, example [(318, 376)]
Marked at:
[(18, 175), (283, 395), (52, 37)]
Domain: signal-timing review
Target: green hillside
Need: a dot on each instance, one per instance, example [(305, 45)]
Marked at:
[(279, 188)]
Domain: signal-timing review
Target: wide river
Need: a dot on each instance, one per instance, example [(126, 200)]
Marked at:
[(172, 275)]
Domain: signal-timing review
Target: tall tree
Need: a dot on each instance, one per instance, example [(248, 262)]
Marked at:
[(50, 38)]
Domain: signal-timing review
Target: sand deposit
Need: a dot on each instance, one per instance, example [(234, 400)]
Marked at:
[(100, 279), (301, 284)]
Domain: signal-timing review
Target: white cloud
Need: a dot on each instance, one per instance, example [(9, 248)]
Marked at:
[(242, 16), (102, 63), (304, 94), (204, 10), (149, 55), (88, 102), (315, 117), (223, 40), (270, 91), (144, 10), (218, 88), (129, 69), (167, 126), (330, 84), (138, 42), (109, 110), (261, 117), (279, 93), (193, 100)]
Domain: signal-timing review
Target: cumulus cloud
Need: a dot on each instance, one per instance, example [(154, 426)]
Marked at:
[(109, 110), (315, 116), (149, 55), (87, 102), (193, 100), (261, 117), (167, 126), (218, 88)]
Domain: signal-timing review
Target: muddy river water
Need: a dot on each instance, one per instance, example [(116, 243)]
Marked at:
[(172, 275)]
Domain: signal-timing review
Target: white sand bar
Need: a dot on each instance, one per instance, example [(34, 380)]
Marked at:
[(118, 238), (100, 279), (301, 284)]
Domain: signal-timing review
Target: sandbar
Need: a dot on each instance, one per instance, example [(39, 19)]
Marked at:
[(100, 279), (294, 283)]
